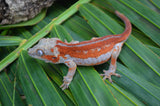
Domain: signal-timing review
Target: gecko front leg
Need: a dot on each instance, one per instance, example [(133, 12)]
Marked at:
[(71, 71), (112, 67)]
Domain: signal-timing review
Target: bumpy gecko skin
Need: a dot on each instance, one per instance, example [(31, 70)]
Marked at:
[(93, 52)]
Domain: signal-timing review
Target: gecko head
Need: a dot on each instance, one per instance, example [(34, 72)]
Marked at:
[(45, 50)]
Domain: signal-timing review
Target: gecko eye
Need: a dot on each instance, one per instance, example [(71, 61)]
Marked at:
[(40, 52)]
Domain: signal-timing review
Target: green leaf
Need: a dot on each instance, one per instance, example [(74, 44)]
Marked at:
[(145, 91), (55, 74), (10, 40), (78, 28), (150, 4), (61, 33), (155, 49), (156, 3), (143, 11), (37, 87), (8, 97), (124, 97)]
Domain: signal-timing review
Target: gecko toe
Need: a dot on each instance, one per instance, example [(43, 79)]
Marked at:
[(64, 86), (102, 74), (117, 75), (66, 82), (110, 80), (104, 78), (108, 74)]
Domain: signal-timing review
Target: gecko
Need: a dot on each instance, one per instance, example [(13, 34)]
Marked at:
[(86, 53)]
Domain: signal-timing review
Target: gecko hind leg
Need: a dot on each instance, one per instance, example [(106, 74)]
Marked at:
[(112, 67)]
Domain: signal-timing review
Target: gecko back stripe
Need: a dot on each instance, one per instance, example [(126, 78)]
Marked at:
[(114, 38)]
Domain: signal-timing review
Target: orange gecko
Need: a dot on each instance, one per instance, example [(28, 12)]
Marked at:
[(87, 53)]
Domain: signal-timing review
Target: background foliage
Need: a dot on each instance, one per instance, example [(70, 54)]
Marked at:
[(27, 81)]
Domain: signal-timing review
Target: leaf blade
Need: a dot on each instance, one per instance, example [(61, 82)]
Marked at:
[(46, 96), (10, 41)]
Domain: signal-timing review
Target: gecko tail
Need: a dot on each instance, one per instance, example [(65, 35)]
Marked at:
[(128, 26)]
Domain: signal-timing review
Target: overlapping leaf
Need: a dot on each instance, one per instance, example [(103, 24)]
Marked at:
[(8, 95)]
